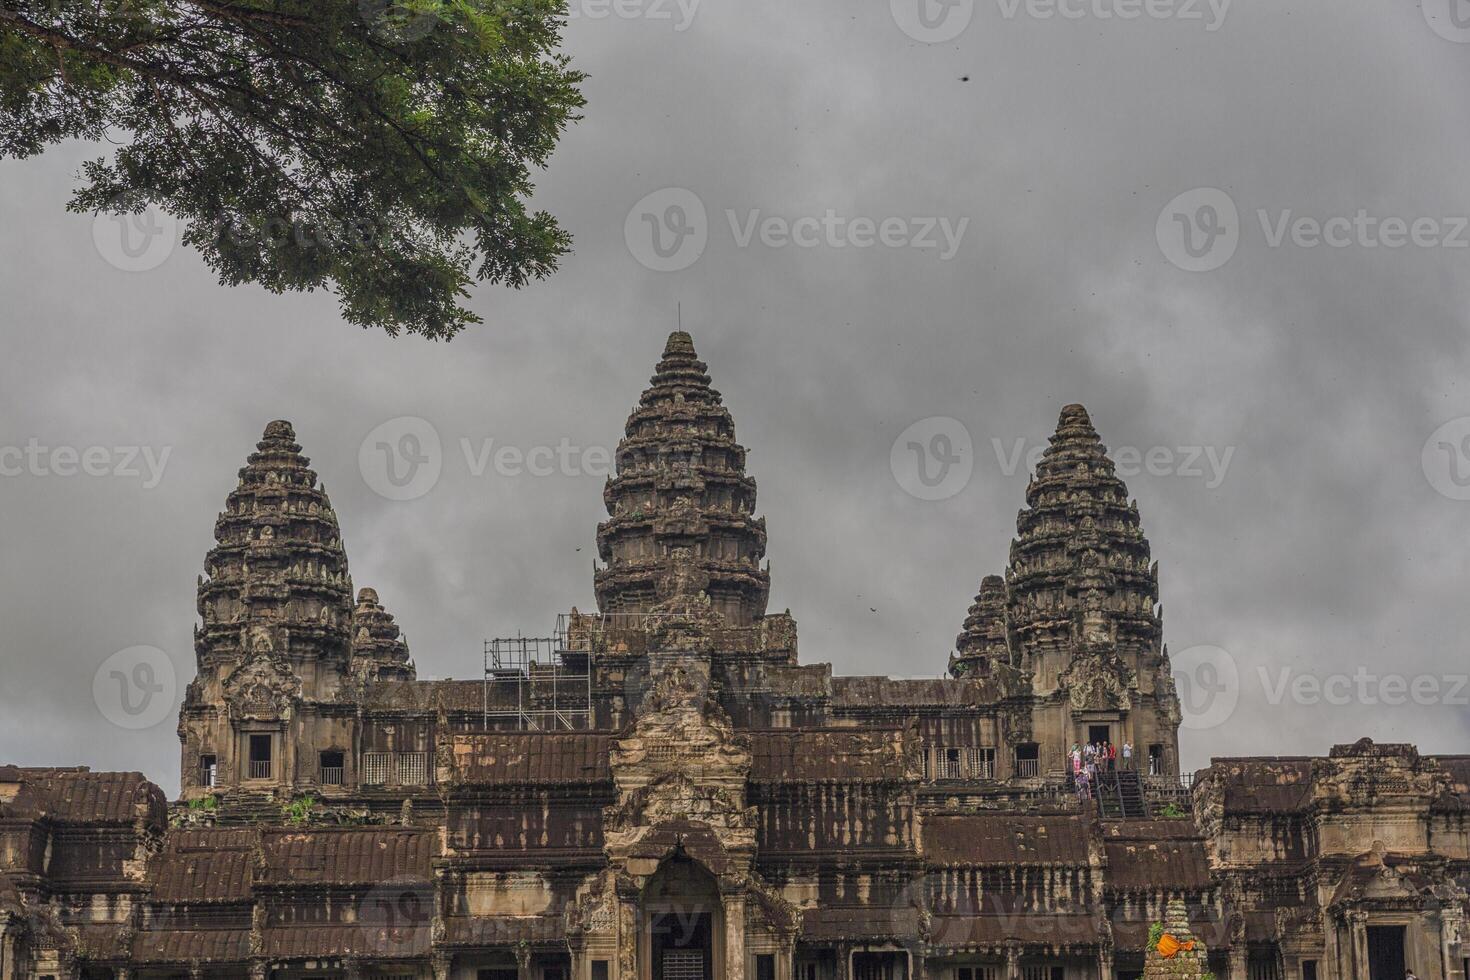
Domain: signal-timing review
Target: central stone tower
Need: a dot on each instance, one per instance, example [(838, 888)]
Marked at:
[(681, 484)]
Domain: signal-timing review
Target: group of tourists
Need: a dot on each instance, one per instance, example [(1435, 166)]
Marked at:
[(1097, 757)]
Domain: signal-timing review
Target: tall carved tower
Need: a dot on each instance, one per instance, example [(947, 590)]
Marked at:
[(681, 484), (1077, 613), (276, 605)]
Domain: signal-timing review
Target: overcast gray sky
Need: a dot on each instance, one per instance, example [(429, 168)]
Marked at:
[(1328, 541)]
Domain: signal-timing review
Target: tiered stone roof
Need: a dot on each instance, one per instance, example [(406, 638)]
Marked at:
[(983, 641), (681, 483), (278, 562), (379, 650), (1080, 552)]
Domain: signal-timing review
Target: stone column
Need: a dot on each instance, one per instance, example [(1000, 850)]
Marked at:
[(844, 962), (786, 960), (626, 964), (1105, 962), (1360, 947), (442, 966), (734, 937), (523, 964), (1237, 961), (260, 970), (1013, 962)]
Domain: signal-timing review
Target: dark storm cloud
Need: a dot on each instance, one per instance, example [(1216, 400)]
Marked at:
[(1323, 549)]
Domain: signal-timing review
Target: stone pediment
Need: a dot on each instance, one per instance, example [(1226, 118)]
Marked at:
[(681, 775), (683, 757), (1098, 682), (1380, 879), (264, 687)]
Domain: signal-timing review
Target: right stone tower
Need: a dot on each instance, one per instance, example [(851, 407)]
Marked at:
[(681, 484), (1077, 614)]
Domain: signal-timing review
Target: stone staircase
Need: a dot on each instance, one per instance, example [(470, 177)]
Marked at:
[(241, 808), (1120, 796)]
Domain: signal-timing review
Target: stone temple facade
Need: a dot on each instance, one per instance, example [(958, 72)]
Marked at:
[(663, 790)]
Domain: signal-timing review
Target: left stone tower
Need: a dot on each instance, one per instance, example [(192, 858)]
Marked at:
[(276, 605)]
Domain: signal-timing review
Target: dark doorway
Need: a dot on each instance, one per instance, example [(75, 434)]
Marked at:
[(260, 757), (880, 966), (1386, 952), (331, 766), (682, 945), (1097, 734)]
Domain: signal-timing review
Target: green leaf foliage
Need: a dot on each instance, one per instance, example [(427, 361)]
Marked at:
[(379, 149)]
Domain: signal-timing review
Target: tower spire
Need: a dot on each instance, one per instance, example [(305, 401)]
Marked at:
[(1080, 552), (277, 565), (379, 650), (681, 484), (982, 643)]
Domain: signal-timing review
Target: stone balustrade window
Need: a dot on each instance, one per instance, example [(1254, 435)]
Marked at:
[(375, 768), (413, 768)]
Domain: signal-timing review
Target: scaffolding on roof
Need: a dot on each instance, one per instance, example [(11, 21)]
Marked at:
[(534, 683)]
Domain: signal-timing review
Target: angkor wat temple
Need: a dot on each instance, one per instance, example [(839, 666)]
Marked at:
[(663, 790)]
